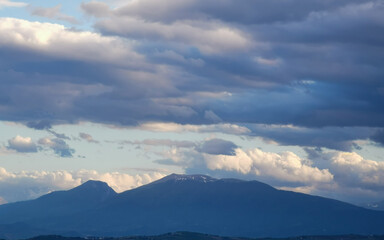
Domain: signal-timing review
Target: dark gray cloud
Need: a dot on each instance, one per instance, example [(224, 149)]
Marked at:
[(58, 135), (378, 137), (338, 138), (243, 12), (218, 146), (40, 124)]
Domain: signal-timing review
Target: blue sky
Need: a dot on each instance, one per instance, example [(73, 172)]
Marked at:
[(290, 93)]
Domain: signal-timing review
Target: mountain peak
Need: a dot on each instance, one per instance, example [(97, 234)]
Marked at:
[(183, 177), (94, 184), (96, 187)]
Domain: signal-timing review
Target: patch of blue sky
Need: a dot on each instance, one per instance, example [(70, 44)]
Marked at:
[(71, 8)]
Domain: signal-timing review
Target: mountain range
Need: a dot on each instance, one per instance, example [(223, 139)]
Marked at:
[(194, 203)]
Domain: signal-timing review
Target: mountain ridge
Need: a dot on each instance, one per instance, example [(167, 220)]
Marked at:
[(200, 236), (196, 203)]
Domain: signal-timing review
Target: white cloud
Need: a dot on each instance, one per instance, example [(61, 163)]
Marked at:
[(286, 166), (75, 45), (340, 175), (356, 179), (353, 170), (22, 144), (17, 186), (267, 62), (175, 127), (8, 3), (162, 142)]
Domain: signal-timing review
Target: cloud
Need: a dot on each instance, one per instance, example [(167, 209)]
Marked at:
[(22, 144), (18, 186), (285, 167), (96, 9), (271, 167), (218, 147), (40, 124), (162, 142), (244, 12), (210, 67), (45, 37), (175, 127), (5, 151), (353, 170), (214, 39), (338, 138), (53, 13), (58, 135), (58, 145), (8, 3), (378, 136), (2, 201), (87, 137), (342, 175)]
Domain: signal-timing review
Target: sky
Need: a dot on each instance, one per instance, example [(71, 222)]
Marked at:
[(287, 92)]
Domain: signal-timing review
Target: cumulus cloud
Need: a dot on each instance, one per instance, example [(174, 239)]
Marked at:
[(45, 37), (22, 144), (284, 167), (59, 146), (342, 175), (353, 170), (2, 201), (53, 13), (17, 186)]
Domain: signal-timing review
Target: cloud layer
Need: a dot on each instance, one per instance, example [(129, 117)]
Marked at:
[(194, 62)]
